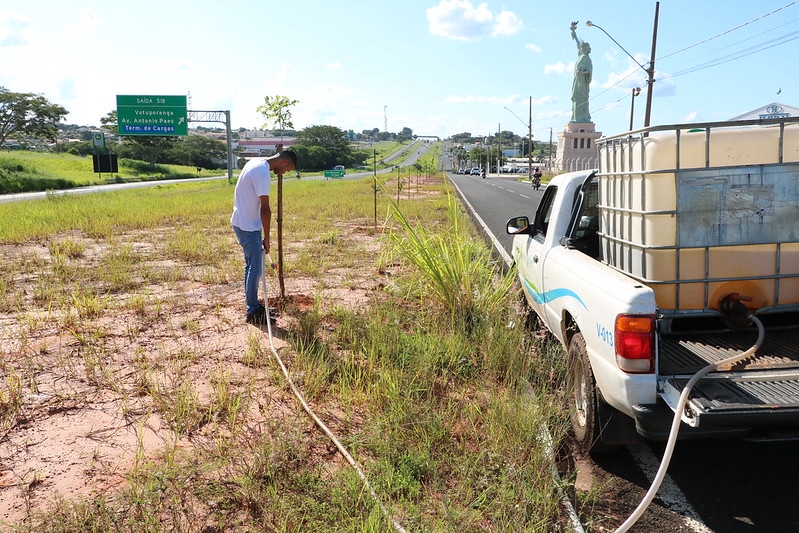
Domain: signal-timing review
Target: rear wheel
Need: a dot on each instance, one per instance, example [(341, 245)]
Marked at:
[(585, 400)]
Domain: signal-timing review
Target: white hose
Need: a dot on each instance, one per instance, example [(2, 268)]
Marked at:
[(675, 424), (310, 412)]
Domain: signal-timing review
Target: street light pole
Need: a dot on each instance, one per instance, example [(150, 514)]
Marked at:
[(650, 71), (529, 137), (530, 142)]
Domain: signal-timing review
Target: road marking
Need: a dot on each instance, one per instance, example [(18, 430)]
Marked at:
[(524, 196), (669, 493)]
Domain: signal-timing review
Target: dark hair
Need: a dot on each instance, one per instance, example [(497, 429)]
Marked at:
[(291, 155)]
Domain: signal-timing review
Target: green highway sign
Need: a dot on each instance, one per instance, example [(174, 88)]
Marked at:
[(152, 115), (334, 173)]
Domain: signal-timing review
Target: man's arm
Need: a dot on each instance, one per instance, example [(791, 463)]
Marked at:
[(266, 221)]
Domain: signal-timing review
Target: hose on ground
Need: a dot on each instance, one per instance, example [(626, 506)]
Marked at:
[(342, 450)]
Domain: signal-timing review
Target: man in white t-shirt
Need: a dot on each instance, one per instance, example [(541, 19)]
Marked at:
[(251, 214)]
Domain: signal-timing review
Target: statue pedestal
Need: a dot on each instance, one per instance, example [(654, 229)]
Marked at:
[(577, 147)]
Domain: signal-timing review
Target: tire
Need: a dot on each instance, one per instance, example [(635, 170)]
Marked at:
[(584, 401)]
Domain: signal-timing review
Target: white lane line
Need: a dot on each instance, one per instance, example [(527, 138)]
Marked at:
[(669, 493), (524, 196)]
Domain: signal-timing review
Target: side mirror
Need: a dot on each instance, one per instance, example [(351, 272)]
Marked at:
[(518, 226)]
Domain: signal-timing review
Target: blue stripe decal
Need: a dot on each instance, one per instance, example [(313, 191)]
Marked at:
[(542, 298)]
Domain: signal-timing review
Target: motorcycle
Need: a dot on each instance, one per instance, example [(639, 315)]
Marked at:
[(536, 180)]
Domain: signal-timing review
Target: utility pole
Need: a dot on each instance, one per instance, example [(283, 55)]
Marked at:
[(499, 146), (651, 69), (530, 142)]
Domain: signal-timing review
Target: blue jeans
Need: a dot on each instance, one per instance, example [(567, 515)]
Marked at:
[(253, 247)]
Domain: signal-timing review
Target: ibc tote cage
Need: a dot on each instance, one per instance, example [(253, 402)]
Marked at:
[(697, 211)]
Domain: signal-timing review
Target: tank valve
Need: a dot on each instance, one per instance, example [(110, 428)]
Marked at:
[(733, 308)]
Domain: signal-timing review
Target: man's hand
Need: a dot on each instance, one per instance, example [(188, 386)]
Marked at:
[(265, 243)]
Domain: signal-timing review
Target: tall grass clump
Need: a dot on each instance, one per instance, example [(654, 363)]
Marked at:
[(455, 270)]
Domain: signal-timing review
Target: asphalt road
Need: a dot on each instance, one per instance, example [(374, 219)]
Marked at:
[(495, 199), (721, 486)]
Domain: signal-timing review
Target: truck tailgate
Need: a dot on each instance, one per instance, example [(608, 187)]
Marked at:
[(766, 383)]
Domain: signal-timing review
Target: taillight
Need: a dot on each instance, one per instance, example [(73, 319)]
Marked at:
[(635, 343)]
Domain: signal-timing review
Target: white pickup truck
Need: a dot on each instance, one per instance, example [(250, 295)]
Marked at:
[(645, 269)]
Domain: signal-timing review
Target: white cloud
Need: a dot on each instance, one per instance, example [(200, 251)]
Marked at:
[(461, 20), (326, 103), (630, 77), (85, 27), (533, 48), (333, 65), (13, 26), (507, 23), (559, 68)]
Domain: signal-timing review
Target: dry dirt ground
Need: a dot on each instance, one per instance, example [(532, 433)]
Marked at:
[(93, 391)]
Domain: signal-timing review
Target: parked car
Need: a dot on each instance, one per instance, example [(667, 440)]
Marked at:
[(475, 171)]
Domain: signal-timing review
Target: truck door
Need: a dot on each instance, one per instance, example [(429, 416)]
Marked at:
[(531, 266)]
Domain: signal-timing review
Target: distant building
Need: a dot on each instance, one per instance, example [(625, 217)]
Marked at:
[(261, 146), (772, 110)]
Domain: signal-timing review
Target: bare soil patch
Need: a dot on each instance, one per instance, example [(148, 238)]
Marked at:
[(86, 398)]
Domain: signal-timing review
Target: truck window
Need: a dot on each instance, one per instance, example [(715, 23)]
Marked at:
[(544, 213), (584, 234)]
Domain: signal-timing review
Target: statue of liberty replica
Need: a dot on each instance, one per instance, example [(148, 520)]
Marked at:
[(576, 143), (583, 70)]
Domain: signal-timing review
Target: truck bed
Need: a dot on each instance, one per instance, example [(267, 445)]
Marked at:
[(766, 383), (687, 353)]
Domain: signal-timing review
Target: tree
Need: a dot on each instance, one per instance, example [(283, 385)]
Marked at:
[(460, 138), (405, 135), (276, 109), (146, 147), (196, 150), (336, 145), (28, 114), (313, 157), (478, 156)]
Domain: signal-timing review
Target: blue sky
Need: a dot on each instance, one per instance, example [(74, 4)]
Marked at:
[(439, 67)]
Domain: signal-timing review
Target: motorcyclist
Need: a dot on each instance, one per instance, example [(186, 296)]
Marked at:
[(536, 179)]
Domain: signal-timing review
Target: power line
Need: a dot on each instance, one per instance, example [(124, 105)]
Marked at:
[(748, 38), (729, 31), (736, 55)]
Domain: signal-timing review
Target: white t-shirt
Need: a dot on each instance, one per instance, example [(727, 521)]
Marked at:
[(254, 182)]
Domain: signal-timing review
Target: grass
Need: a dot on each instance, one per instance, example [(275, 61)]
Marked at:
[(23, 171), (424, 381)]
